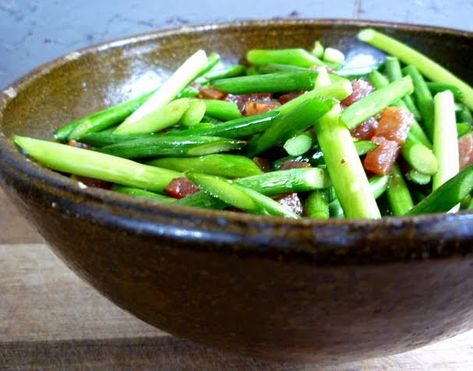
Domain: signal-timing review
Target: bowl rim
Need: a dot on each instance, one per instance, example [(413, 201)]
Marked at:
[(205, 225)]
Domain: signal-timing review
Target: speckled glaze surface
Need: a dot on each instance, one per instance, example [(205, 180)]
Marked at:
[(305, 291)]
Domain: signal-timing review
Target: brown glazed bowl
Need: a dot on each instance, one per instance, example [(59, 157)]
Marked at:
[(304, 290)]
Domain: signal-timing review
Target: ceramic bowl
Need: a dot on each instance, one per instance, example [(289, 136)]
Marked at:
[(305, 290)]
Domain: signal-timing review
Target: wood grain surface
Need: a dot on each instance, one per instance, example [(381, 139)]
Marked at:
[(50, 319), (13, 227)]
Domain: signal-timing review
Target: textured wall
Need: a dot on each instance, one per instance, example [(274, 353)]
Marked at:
[(35, 31)]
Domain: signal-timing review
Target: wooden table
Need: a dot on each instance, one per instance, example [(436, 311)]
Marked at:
[(50, 319)]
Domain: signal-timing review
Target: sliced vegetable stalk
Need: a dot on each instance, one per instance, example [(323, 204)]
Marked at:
[(276, 67), (335, 209), (212, 60), (83, 162), (239, 197), (238, 128), (379, 185), (231, 71), (273, 67), (323, 78), (449, 194), (194, 114), (333, 57), (425, 65), (345, 168), (224, 191), (288, 124), (378, 80), (317, 205), (278, 82), (418, 177), (222, 110), (298, 145), (424, 98), (357, 71), (202, 200), (318, 49), (206, 120), (172, 146), (394, 73), (338, 90), (268, 205), (467, 202), (143, 119), (297, 57), (188, 92), (270, 184), (421, 158), (445, 139), (224, 165), (141, 193), (364, 146), (100, 120), (250, 71), (465, 116), (374, 103), (104, 138), (438, 87), (400, 200), (287, 181), (163, 118), (463, 129)]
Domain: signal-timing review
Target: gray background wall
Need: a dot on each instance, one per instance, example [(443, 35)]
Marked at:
[(35, 31)]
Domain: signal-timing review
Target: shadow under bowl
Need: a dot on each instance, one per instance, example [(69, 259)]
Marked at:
[(305, 290)]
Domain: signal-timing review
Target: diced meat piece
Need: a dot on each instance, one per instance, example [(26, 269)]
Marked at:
[(259, 97), (394, 124), (180, 188), (366, 130), (211, 93), (258, 108), (262, 163), (239, 100), (242, 99), (381, 160), (293, 202), (361, 88), (96, 183), (75, 143), (465, 148), (291, 164), (283, 99)]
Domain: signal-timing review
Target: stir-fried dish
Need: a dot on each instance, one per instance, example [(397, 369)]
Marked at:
[(288, 132)]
